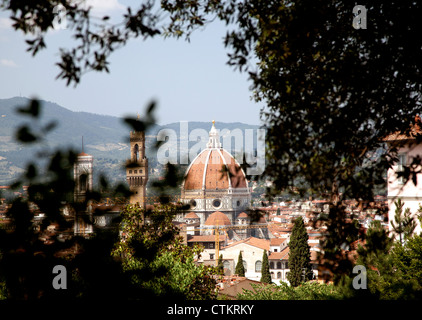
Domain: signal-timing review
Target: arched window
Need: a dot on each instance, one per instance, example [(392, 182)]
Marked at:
[(83, 179), (258, 266), (271, 265), (272, 275), (278, 265), (279, 275), (136, 153)]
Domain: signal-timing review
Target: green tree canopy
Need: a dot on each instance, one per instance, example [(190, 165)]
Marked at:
[(154, 257), (391, 267), (408, 260)]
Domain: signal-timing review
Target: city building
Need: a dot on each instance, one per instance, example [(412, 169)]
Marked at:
[(252, 251), (409, 153)]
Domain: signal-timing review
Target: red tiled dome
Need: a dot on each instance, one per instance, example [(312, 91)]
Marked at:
[(218, 218), (191, 215), (214, 169), (242, 215)]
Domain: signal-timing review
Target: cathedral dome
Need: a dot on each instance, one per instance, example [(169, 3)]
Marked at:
[(214, 168), (218, 219), (242, 215), (191, 215), (214, 181)]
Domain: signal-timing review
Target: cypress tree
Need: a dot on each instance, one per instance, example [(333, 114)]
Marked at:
[(265, 269), (220, 266), (240, 269), (300, 255)]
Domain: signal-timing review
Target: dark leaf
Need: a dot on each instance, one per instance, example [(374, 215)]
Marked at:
[(50, 126), (32, 110), (135, 124), (31, 171), (24, 135)]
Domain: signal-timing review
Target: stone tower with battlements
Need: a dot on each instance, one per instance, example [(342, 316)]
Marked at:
[(137, 169)]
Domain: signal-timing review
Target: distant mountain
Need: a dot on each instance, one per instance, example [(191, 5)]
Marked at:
[(105, 137), (96, 129)]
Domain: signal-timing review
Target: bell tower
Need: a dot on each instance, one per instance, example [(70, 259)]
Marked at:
[(83, 173), (137, 169)]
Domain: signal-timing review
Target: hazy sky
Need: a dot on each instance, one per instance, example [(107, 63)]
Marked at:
[(190, 81)]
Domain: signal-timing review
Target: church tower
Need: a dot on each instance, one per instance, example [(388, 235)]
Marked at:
[(82, 172), (83, 177), (137, 169)]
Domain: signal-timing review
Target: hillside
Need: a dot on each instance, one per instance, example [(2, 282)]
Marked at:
[(105, 137)]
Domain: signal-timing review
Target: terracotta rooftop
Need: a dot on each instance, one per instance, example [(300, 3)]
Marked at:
[(414, 130), (284, 255), (207, 238), (276, 241), (256, 242)]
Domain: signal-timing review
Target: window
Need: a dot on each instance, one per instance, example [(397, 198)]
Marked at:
[(278, 265), (211, 256), (211, 245), (245, 265), (275, 250), (226, 264), (216, 203), (272, 275), (400, 166), (271, 265), (136, 153), (83, 183), (279, 275), (192, 204), (258, 266)]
